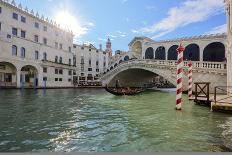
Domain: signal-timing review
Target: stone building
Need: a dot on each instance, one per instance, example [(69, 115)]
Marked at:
[(91, 62), (35, 51)]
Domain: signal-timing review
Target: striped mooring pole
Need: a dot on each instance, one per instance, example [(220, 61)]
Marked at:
[(190, 78), (180, 65)]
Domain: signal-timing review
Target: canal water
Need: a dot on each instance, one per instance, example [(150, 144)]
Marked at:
[(91, 120)]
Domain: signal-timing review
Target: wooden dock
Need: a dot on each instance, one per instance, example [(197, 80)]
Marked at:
[(217, 101)]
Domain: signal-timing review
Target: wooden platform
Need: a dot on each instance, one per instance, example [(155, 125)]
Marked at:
[(225, 105)]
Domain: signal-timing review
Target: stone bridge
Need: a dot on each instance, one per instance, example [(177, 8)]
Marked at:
[(135, 73)]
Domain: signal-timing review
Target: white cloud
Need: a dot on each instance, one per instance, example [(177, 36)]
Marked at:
[(101, 39), (218, 29), (90, 24), (190, 11), (112, 36), (134, 31)]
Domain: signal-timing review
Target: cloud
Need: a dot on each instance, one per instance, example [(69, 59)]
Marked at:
[(134, 31), (101, 39), (112, 36), (218, 29), (188, 12)]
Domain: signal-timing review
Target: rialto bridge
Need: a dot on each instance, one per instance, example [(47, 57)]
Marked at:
[(148, 59)]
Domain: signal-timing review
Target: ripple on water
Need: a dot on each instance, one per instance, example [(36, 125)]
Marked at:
[(95, 121)]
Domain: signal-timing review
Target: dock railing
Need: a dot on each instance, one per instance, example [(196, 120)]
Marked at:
[(223, 95)]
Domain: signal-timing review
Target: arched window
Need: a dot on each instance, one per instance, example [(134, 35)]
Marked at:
[(23, 52), (111, 67), (56, 59), (160, 53), (192, 52), (60, 60), (214, 52), (115, 65), (126, 58), (172, 52), (120, 61), (36, 55), (45, 56), (149, 54), (14, 50)]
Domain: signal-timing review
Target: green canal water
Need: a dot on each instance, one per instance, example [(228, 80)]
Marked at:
[(91, 120)]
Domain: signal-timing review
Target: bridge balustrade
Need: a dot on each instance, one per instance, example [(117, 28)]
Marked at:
[(196, 64)]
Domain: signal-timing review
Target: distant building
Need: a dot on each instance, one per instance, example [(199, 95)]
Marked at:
[(91, 62)]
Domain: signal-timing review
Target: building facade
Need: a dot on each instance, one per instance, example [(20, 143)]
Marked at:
[(36, 52), (91, 62), (229, 41)]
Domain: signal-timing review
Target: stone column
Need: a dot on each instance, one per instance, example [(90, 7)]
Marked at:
[(18, 74)]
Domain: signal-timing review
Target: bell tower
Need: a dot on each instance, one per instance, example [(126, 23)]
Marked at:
[(109, 47)]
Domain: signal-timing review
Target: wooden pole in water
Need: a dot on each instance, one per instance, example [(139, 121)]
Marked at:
[(180, 65), (190, 82)]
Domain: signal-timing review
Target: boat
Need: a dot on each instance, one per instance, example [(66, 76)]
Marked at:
[(124, 91)]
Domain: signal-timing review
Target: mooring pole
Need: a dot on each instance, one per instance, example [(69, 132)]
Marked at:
[(45, 87), (35, 85), (190, 81), (180, 65)]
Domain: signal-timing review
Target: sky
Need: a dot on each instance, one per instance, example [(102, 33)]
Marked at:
[(93, 21)]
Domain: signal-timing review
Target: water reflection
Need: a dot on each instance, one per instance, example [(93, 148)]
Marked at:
[(92, 120)]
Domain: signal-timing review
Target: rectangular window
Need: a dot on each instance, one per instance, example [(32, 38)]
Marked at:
[(36, 55), (69, 62), (61, 71), (0, 9), (14, 31), (89, 69), (61, 46), (45, 70), (82, 68), (36, 25), (74, 73), (56, 44), (56, 71), (69, 49), (97, 70), (60, 79), (69, 80), (23, 34), (45, 41), (0, 26), (45, 78), (89, 49), (15, 16), (56, 79), (36, 38), (82, 48), (45, 28), (70, 72), (23, 19), (82, 74)]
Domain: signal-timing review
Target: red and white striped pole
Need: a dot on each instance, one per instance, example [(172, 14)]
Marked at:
[(180, 65), (190, 82)]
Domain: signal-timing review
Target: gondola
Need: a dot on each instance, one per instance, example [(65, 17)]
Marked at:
[(124, 91)]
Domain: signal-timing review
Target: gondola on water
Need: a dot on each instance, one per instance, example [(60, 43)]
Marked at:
[(124, 91)]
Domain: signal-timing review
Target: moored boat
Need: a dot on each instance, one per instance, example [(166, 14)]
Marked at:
[(124, 91)]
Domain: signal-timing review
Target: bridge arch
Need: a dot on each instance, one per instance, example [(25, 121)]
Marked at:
[(137, 49), (149, 54), (172, 53), (192, 52), (126, 58), (214, 52), (160, 53)]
